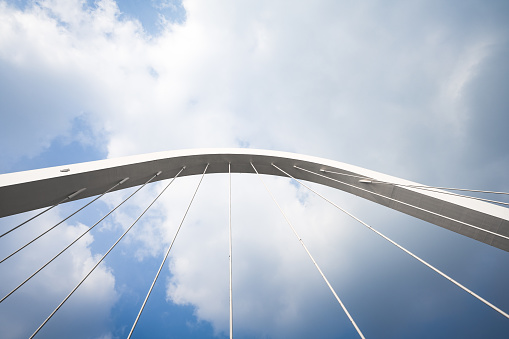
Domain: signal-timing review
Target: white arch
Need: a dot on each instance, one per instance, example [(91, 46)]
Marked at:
[(30, 190)]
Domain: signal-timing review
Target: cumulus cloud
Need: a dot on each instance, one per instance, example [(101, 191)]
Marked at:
[(274, 281), (24, 310), (248, 76)]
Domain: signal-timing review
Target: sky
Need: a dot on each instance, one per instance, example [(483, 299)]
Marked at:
[(414, 89)]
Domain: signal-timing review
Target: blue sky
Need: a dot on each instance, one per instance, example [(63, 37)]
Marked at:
[(415, 89)]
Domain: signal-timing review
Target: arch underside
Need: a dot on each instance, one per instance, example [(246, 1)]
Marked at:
[(30, 190)]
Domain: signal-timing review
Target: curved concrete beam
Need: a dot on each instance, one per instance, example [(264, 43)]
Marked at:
[(30, 190)]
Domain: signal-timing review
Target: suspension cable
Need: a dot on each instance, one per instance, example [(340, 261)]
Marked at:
[(403, 203), (434, 189), (46, 210), (427, 188), (43, 233), (310, 256), (82, 235), (166, 256), (401, 247), (230, 246), (458, 189), (100, 260)]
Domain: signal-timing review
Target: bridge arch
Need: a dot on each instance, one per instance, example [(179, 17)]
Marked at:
[(479, 220)]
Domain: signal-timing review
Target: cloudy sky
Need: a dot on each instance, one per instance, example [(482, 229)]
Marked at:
[(415, 89)]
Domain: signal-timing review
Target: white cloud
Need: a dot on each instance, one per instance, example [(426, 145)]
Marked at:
[(272, 76), (26, 309), (266, 255)]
